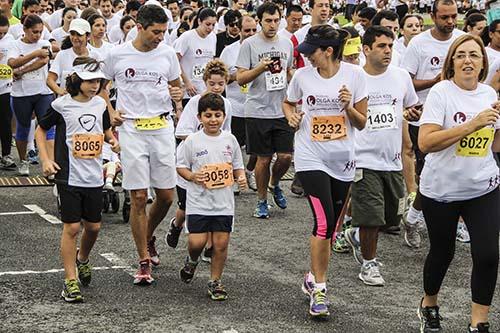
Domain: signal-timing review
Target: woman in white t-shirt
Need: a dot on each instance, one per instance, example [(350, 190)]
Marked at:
[(97, 45), (334, 104), (409, 27), (458, 131), (74, 45), (29, 57), (69, 14)]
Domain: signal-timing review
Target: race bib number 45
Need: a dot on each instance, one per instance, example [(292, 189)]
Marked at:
[(476, 144), (218, 175), (326, 128), (150, 124), (87, 146), (380, 117), (5, 72)]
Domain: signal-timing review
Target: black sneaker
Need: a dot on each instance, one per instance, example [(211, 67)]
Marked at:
[(187, 272), (430, 320), (84, 272), (172, 237), (207, 255), (216, 291), (481, 328)]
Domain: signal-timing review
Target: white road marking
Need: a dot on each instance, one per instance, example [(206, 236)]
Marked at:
[(231, 330), (57, 270), (115, 260), (50, 218), (16, 213)]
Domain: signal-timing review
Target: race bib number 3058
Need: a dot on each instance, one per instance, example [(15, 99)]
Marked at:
[(87, 146), (326, 128), (218, 175), (476, 144)]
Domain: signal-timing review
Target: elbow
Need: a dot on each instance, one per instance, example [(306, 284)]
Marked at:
[(360, 125), (424, 146)]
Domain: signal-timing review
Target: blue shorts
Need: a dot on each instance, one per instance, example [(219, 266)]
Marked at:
[(23, 110)]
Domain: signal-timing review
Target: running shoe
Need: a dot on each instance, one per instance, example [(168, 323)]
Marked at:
[(278, 196), (216, 291), (481, 328), (430, 320), (24, 168), (206, 256), (262, 210), (84, 272), (172, 236), (143, 274), (33, 157), (7, 162), (108, 186), (370, 274), (307, 286), (187, 272), (356, 246), (153, 254), (252, 183), (318, 306), (71, 292), (412, 234), (340, 245), (462, 233)]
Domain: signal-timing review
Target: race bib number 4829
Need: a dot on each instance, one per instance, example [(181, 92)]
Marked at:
[(87, 146), (476, 144)]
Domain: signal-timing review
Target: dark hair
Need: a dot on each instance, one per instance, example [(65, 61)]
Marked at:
[(406, 17), (65, 10), (232, 16), (29, 21), (367, 13), (473, 19), (28, 3), (352, 31), (267, 7), (124, 20), (376, 31), (279, 2), (211, 101), (202, 15), (59, 4), (4, 21), (151, 14), (169, 2), (94, 18), (436, 3), (385, 14), (132, 5), (88, 12), (294, 8), (485, 35), (183, 9), (101, 1), (116, 3), (199, 2), (74, 82), (183, 27), (335, 37), (360, 7), (472, 11)]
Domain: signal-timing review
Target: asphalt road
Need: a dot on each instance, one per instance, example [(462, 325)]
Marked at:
[(267, 260)]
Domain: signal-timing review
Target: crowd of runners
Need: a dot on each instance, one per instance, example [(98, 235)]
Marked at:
[(390, 122)]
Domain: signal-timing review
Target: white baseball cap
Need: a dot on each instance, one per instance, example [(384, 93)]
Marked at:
[(80, 26), (85, 74)]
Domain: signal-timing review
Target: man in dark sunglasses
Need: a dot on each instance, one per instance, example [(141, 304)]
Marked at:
[(232, 33)]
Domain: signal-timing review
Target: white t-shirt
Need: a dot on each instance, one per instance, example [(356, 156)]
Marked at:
[(448, 176), (59, 34), (115, 34), (234, 92), (196, 52), (31, 83), (379, 144), (113, 22), (199, 150), (17, 32), (141, 80), (63, 64), (492, 70), (492, 54), (399, 45), (285, 34), (5, 70), (320, 98), (102, 52)]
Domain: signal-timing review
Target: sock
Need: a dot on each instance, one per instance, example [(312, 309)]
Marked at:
[(366, 262), (347, 218), (320, 286), (109, 180), (31, 136), (356, 234), (413, 215), (471, 329), (311, 278), (82, 262)]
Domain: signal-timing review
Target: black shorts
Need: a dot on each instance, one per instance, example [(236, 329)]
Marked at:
[(238, 129), (181, 198), (268, 136), (419, 155), (80, 203), (198, 224)]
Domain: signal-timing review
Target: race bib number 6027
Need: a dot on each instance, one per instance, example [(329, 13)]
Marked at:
[(476, 144)]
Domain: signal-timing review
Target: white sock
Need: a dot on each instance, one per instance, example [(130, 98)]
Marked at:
[(311, 278), (320, 286), (356, 234), (109, 180), (471, 329), (413, 215), (366, 262), (347, 218), (31, 136)]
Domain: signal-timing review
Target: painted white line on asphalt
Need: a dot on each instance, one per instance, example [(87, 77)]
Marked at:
[(231, 330), (50, 218), (115, 260), (16, 213), (57, 270)]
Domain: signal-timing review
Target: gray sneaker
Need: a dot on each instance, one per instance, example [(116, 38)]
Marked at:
[(370, 274), (8, 162), (412, 234), (356, 246), (252, 184), (24, 168)]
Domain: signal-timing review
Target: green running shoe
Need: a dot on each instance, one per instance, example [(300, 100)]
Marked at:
[(71, 292), (84, 272)]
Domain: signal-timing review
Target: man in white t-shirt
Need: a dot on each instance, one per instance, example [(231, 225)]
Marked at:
[(294, 15), (424, 59), (377, 193), (146, 75), (174, 8), (106, 8)]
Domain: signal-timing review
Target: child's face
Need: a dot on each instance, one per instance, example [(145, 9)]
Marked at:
[(89, 88), (212, 121), (216, 84)]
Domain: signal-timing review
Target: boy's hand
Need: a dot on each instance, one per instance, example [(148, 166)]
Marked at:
[(242, 182), (115, 145), (49, 168), (199, 178)]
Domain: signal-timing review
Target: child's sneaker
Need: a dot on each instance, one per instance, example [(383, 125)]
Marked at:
[(84, 272), (71, 292), (187, 272), (216, 291), (207, 255), (172, 237)]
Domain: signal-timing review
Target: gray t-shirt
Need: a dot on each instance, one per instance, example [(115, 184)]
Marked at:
[(267, 92)]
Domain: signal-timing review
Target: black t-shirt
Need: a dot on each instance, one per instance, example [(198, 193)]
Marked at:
[(223, 40)]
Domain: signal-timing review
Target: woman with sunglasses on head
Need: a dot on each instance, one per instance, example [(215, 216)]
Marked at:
[(334, 104), (459, 132)]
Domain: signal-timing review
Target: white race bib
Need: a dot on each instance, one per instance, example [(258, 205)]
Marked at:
[(198, 71), (381, 117), (275, 81)]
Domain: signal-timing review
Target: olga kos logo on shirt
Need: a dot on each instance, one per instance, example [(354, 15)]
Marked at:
[(198, 52), (87, 121), (129, 72), (322, 101), (311, 100), (435, 61), (459, 117)]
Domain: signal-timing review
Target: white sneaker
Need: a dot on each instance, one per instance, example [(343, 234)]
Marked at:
[(370, 274), (462, 233), (8, 162), (24, 168), (252, 184), (108, 186)]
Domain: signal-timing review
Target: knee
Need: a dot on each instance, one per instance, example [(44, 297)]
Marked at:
[(285, 157), (263, 161), (487, 258), (165, 197), (71, 229), (93, 228), (139, 198)]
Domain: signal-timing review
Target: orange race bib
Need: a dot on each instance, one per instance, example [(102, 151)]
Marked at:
[(327, 128), (218, 175), (87, 146)]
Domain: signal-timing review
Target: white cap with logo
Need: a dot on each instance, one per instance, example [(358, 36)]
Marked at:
[(84, 73)]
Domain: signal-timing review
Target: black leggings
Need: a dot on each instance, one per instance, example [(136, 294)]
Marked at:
[(326, 196), (481, 215), (5, 121)]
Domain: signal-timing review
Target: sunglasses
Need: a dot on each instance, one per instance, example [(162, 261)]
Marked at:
[(248, 30), (233, 24)]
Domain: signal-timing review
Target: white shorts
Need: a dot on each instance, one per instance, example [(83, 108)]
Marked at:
[(148, 160)]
